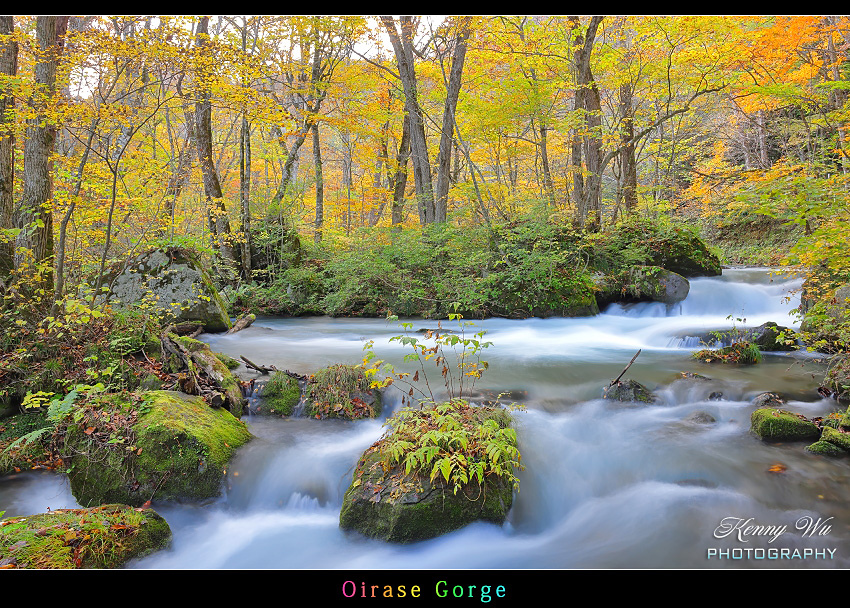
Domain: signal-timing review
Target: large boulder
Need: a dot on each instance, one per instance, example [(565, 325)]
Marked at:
[(130, 448), (106, 536), (468, 477), (643, 283), (173, 280)]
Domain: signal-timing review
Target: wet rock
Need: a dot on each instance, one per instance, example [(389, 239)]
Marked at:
[(701, 418), (825, 448), (629, 390), (768, 400), (715, 396), (779, 425), (387, 503), (836, 437), (772, 337)]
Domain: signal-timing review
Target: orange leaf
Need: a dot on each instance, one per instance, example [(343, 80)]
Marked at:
[(89, 430)]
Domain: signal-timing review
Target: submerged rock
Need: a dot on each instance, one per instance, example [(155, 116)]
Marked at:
[(131, 448), (629, 390), (385, 501), (768, 400), (779, 425)]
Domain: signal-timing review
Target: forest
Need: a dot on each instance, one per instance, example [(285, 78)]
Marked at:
[(458, 167)]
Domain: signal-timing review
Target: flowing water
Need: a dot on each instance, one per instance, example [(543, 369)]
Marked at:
[(605, 485)]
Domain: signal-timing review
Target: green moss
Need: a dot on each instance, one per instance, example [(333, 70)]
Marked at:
[(780, 425), (441, 468), (178, 448), (102, 537), (228, 361), (824, 448), (739, 352), (342, 391), (836, 438), (280, 395)]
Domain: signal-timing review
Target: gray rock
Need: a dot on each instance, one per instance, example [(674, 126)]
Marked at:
[(629, 390), (173, 280)]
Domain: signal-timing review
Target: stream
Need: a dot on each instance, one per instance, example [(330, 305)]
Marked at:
[(605, 485)]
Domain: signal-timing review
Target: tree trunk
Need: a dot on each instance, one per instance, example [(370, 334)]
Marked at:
[(8, 67), (548, 186), (627, 154), (34, 217), (217, 211), (587, 99), (444, 156), (403, 48), (245, 195), (320, 186), (399, 182)]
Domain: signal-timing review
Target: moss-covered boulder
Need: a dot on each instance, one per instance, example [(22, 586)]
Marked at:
[(342, 391), (643, 284), (279, 396), (106, 536), (743, 353), (772, 424), (628, 390), (836, 437), (172, 279), (131, 448), (439, 469), (674, 247), (825, 448)]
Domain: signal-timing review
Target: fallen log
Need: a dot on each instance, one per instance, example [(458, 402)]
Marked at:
[(260, 368), (242, 323), (265, 369), (201, 372)]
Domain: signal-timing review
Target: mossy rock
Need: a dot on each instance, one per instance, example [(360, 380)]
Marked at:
[(106, 536), (174, 280), (279, 395), (342, 391), (180, 448), (400, 507), (629, 390), (643, 284), (743, 353), (836, 438), (825, 448), (772, 424)]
